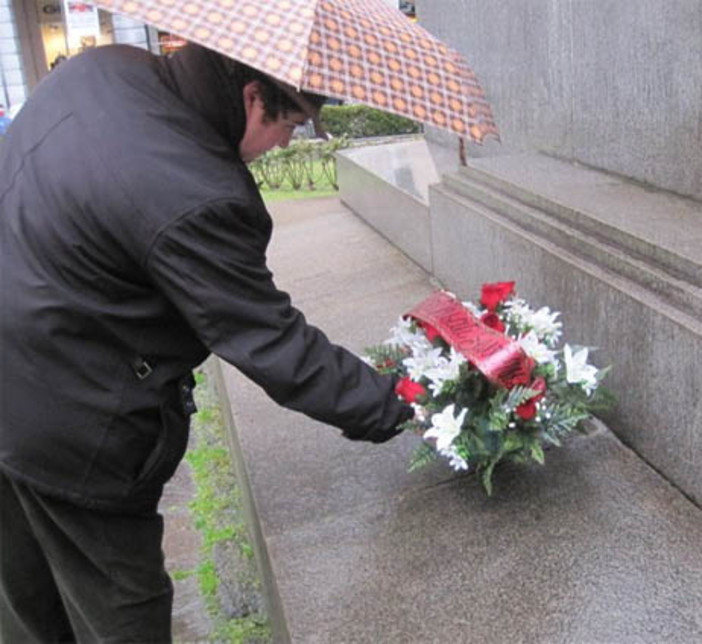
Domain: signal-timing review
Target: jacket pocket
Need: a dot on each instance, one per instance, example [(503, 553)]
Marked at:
[(172, 442)]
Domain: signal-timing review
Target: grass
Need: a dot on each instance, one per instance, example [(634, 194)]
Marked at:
[(218, 513), (269, 196), (322, 187)]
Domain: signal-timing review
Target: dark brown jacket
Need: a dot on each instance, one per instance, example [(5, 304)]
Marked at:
[(133, 245)]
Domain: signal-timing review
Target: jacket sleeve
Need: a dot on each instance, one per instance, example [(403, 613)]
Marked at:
[(211, 265)]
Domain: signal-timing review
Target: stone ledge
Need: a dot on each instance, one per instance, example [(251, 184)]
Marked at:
[(659, 226), (388, 186), (670, 277), (650, 228)]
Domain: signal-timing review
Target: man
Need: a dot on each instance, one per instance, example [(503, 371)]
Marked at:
[(133, 245)]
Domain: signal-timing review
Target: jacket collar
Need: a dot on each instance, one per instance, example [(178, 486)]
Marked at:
[(199, 77)]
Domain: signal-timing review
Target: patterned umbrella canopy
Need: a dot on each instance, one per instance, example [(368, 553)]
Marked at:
[(362, 50)]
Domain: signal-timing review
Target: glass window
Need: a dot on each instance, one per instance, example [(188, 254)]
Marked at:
[(69, 27)]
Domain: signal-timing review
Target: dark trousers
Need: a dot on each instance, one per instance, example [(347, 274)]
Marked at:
[(71, 574)]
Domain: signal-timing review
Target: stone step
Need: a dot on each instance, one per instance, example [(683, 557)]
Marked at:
[(656, 226), (671, 278)]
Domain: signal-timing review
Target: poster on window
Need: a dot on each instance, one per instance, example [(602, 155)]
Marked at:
[(82, 23)]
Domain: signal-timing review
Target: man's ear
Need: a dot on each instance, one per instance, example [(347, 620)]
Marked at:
[(252, 91)]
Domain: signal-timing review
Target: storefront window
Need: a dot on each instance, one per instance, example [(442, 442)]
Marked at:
[(69, 27), (168, 43)]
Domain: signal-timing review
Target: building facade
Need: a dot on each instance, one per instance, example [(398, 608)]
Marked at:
[(36, 35), (12, 69)]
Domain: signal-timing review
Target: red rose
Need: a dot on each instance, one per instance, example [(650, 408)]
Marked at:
[(493, 321), (409, 390), (430, 332), (527, 410), (539, 385), (494, 294)]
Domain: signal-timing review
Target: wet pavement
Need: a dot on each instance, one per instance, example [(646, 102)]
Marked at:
[(593, 547)]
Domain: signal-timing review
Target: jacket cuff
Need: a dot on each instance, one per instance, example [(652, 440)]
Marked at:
[(383, 435)]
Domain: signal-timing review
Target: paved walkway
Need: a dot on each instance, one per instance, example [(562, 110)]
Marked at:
[(595, 547)]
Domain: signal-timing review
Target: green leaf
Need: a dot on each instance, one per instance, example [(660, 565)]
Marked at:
[(487, 479), (537, 452), (497, 420), (519, 395), (602, 400), (513, 442), (552, 439), (422, 456), (487, 472), (387, 358)]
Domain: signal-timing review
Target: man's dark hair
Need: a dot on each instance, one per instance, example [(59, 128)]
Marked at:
[(276, 100)]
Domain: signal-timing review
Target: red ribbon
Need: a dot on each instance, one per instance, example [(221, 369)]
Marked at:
[(499, 358)]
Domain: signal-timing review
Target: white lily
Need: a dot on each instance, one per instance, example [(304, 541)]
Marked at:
[(445, 427), (445, 370), (518, 309), (543, 321), (536, 349), (578, 371), (456, 461), (545, 324), (421, 361), (403, 335)]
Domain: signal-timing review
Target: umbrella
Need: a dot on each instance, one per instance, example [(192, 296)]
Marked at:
[(359, 50)]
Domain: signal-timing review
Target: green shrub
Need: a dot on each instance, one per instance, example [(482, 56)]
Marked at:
[(360, 121), (303, 165)]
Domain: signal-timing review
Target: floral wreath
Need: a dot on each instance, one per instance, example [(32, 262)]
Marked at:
[(488, 382)]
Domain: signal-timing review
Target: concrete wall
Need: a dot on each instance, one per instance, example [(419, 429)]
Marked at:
[(13, 89), (388, 185), (615, 85), (616, 292)]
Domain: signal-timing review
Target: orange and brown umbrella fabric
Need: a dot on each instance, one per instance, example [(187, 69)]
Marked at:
[(362, 50)]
